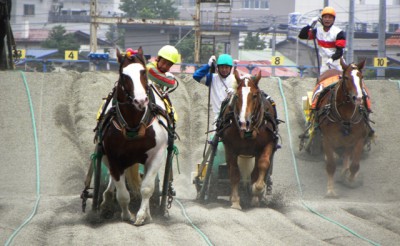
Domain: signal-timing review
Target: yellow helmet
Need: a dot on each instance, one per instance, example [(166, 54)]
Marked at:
[(170, 53), (328, 11)]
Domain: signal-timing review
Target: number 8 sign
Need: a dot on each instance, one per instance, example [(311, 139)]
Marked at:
[(277, 61)]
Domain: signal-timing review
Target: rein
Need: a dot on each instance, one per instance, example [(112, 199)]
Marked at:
[(258, 117), (331, 112)]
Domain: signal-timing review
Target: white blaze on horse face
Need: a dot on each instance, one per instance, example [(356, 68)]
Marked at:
[(242, 116), (133, 71), (357, 83)]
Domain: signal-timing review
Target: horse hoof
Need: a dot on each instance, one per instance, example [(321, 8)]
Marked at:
[(331, 195), (236, 206), (107, 213), (139, 222)]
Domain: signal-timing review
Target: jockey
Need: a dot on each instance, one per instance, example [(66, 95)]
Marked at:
[(222, 86), (331, 39), (222, 83), (158, 71)]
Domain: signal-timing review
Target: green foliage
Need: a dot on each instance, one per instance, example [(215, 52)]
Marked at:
[(186, 49), (149, 9), (116, 36), (253, 42), (59, 39)]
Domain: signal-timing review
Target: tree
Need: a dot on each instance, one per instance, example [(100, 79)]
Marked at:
[(186, 49), (149, 9), (254, 42), (116, 36), (59, 39)]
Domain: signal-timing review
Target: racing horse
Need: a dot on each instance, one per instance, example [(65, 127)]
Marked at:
[(249, 131), (343, 120), (133, 133)]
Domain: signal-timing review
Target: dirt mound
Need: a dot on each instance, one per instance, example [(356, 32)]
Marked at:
[(65, 107)]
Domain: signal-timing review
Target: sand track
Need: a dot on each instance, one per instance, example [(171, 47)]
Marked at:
[(65, 106)]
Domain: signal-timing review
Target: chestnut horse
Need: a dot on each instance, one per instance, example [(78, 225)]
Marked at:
[(343, 120), (250, 132), (135, 133)]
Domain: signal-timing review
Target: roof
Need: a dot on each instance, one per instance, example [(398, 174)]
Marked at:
[(40, 53), (35, 35), (394, 40)]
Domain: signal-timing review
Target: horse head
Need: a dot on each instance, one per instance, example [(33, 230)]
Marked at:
[(352, 81), (248, 100), (132, 85)]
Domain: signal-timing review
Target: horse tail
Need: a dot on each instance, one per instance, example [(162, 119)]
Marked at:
[(133, 179)]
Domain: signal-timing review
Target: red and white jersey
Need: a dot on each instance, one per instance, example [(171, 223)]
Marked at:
[(327, 41)]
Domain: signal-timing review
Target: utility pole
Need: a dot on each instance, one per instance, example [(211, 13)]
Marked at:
[(381, 35), (326, 3), (93, 30), (197, 34), (350, 34), (273, 42)]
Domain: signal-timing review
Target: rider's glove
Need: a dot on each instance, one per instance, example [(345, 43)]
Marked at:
[(230, 91), (313, 22), (169, 75), (329, 62), (212, 59)]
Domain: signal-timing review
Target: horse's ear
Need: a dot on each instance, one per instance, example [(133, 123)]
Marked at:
[(140, 51), (258, 77), (119, 55), (361, 65), (236, 73)]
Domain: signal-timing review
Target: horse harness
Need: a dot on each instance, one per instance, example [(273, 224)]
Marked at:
[(260, 118), (331, 113), (152, 112)]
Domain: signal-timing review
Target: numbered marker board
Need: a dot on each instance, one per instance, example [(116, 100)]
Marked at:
[(21, 54), (71, 55), (380, 62), (277, 61)]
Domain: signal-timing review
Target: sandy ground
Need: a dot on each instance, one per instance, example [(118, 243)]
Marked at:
[(65, 106)]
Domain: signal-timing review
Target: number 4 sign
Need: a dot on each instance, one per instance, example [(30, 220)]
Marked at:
[(380, 62), (71, 55)]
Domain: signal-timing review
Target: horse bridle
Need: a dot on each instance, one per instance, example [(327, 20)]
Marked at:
[(335, 116), (147, 114), (256, 119), (120, 83)]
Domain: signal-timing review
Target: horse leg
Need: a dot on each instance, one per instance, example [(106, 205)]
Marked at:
[(234, 176), (133, 180), (352, 172), (330, 168), (146, 190), (123, 198), (106, 207), (345, 164), (147, 187), (263, 162)]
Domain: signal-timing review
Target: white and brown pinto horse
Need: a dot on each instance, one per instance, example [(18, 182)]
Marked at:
[(343, 120), (250, 135), (134, 135)]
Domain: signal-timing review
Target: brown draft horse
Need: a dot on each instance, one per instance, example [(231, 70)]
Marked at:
[(134, 134), (250, 133), (343, 120)]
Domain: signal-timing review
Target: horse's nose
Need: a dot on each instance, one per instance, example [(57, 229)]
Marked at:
[(244, 125), (141, 103)]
